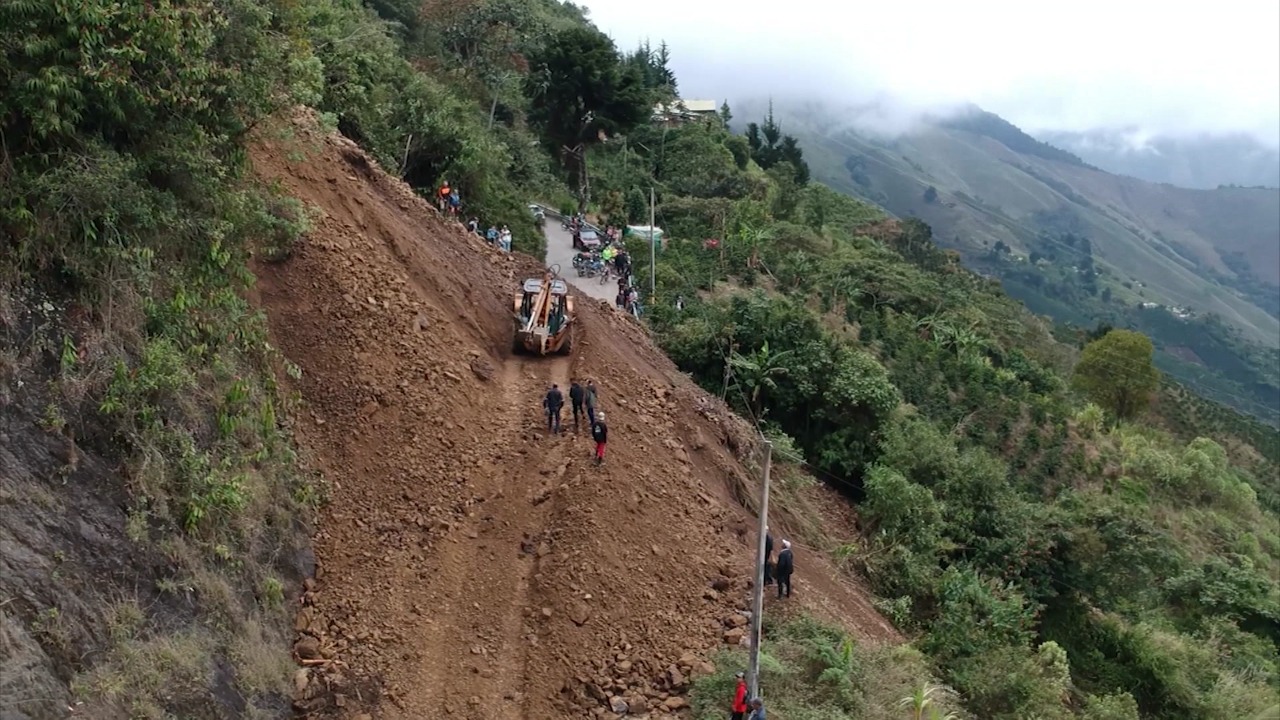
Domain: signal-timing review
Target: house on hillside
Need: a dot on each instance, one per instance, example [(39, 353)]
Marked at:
[(683, 111)]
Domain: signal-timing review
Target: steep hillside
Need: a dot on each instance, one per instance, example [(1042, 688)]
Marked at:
[(467, 562), (1082, 245)]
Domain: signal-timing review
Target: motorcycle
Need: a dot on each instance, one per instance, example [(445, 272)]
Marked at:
[(588, 264), (591, 268)]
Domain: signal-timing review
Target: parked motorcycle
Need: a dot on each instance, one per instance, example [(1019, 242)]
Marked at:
[(589, 268)]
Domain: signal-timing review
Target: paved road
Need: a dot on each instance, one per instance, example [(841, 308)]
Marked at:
[(560, 251)]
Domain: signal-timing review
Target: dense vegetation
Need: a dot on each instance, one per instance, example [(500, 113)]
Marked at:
[(1055, 557), (1194, 270), (129, 223), (812, 671), (1050, 558)]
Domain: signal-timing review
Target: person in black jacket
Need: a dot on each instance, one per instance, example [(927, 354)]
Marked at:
[(553, 402), (768, 557), (785, 567), (575, 400), (599, 433)]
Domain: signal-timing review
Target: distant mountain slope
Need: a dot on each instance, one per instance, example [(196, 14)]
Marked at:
[(1199, 162), (1080, 244)]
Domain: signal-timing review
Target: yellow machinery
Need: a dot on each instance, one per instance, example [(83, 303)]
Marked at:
[(544, 316)]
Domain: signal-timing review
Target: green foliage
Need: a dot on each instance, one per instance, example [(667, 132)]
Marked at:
[(813, 671), (122, 196), (1115, 371), (1047, 564), (769, 147), (1023, 539), (580, 91)]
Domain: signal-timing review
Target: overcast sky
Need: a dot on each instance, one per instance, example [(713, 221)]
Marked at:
[(1165, 67)]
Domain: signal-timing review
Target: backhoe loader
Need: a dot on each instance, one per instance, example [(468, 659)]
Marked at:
[(544, 317)]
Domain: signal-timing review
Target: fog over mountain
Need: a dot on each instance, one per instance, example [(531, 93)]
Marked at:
[(1164, 70), (1205, 161)]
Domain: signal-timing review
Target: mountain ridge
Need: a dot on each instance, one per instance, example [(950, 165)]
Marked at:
[(1078, 243), (1201, 162)]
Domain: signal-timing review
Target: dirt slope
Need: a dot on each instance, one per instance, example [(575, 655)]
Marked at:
[(470, 566)]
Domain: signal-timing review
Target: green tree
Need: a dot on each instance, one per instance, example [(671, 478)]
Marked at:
[(1116, 372), (769, 147), (580, 93), (755, 373)]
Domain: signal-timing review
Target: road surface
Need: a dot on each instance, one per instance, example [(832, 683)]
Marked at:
[(560, 252)]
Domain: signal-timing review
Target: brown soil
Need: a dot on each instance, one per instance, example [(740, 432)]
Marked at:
[(469, 565)]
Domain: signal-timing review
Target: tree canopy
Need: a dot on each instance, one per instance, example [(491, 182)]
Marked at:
[(580, 93), (1116, 372), (769, 147)]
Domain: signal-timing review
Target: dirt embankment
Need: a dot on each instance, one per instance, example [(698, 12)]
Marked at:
[(469, 565)]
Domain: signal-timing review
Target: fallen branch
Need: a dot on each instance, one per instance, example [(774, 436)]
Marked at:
[(320, 661)]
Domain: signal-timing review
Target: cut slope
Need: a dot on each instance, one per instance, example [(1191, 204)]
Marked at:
[(467, 561)]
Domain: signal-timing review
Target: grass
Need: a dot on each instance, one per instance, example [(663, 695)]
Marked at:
[(148, 674), (812, 671), (174, 370)]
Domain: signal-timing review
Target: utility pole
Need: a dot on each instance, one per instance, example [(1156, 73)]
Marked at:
[(653, 251), (757, 613)]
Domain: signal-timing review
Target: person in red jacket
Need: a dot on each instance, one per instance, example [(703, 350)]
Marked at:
[(599, 433), (739, 709)]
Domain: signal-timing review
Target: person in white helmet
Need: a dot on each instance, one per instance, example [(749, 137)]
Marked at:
[(785, 567)]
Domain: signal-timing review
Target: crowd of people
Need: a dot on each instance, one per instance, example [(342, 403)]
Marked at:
[(450, 205), (614, 261)]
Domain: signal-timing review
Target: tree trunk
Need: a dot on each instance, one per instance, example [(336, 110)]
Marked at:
[(584, 180)]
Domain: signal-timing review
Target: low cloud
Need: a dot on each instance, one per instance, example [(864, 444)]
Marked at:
[(1154, 69)]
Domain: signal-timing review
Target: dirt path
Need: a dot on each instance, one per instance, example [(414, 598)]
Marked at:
[(477, 663)]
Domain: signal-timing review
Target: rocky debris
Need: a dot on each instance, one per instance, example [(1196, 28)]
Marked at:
[(454, 521), (644, 683), (482, 369), (580, 613)]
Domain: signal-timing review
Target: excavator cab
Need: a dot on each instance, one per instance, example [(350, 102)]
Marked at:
[(544, 316)]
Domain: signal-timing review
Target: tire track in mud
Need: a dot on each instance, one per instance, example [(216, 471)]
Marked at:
[(474, 647)]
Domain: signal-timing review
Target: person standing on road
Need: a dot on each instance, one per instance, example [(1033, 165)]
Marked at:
[(590, 401), (553, 402), (768, 556), (786, 566), (599, 433), (757, 709), (738, 711), (575, 399)]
